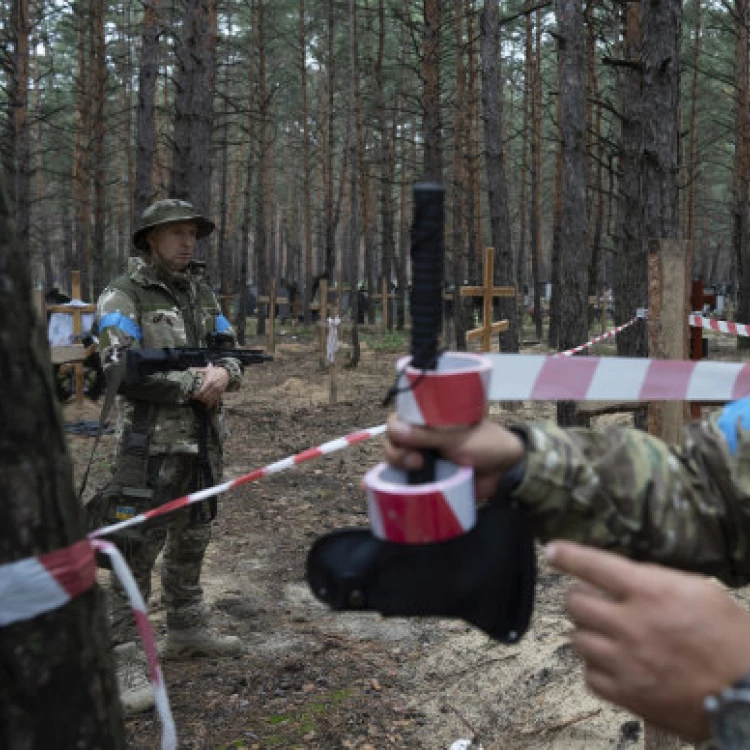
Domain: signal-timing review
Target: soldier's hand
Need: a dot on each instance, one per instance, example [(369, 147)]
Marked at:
[(215, 382), (652, 640), (487, 447)]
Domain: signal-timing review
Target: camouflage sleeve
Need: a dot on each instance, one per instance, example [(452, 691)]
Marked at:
[(232, 366), (118, 330), (686, 506)]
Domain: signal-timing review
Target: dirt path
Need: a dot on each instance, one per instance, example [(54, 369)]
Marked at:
[(310, 678)]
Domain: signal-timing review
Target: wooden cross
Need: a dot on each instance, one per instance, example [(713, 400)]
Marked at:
[(488, 292), (385, 297), (74, 354)]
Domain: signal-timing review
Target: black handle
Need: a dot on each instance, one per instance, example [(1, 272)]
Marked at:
[(427, 251)]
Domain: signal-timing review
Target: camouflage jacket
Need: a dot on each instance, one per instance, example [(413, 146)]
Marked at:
[(686, 506), (144, 309)]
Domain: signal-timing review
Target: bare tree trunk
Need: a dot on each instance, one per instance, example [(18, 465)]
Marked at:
[(387, 162), (741, 203), (354, 232), (193, 121), (59, 689), (261, 203), (99, 91), (457, 251), (573, 322), (536, 176), (306, 177), (18, 155), (328, 206), (241, 321), (630, 280), (433, 155), (497, 188), (146, 128), (81, 156)]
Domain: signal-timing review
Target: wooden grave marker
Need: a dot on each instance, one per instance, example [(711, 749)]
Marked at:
[(488, 292), (385, 297), (74, 355)]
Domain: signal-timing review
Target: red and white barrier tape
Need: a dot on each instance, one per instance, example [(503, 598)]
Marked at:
[(523, 377), (140, 614), (274, 468), (606, 335), (696, 320), (36, 585)]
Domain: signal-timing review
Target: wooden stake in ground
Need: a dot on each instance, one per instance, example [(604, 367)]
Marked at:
[(667, 333), (488, 292), (77, 313), (385, 297)]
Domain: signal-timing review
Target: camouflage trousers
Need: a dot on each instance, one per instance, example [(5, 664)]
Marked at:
[(183, 539)]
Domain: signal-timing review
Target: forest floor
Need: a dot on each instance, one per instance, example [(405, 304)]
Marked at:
[(312, 678)]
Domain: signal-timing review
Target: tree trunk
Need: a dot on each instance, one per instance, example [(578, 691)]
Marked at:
[(536, 177), (328, 141), (59, 688), (387, 162), (99, 91), (261, 203), (433, 155), (193, 121), (146, 117), (497, 189), (306, 178), (81, 156), (573, 230), (353, 238), (741, 203), (630, 282)]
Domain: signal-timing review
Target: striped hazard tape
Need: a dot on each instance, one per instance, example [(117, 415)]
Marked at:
[(696, 320), (37, 585), (253, 476), (523, 377), (606, 335)]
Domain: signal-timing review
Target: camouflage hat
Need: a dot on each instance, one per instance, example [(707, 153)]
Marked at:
[(169, 211)]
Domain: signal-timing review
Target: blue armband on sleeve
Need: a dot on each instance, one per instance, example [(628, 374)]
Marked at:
[(123, 322), (738, 411)]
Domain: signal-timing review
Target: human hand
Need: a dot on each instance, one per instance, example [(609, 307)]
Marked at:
[(654, 641), (215, 382), (487, 447)]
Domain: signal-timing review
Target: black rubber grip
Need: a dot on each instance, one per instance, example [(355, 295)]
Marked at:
[(427, 252)]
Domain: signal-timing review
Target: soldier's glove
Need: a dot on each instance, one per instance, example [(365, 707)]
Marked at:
[(486, 576)]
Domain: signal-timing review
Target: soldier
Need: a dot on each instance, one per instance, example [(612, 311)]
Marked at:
[(669, 646), (170, 431)]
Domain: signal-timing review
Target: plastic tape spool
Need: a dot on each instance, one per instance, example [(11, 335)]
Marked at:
[(453, 394), (422, 513)]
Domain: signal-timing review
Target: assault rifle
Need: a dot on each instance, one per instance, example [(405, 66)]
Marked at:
[(140, 363)]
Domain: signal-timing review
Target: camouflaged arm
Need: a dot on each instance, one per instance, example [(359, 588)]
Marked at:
[(621, 489), (234, 368)]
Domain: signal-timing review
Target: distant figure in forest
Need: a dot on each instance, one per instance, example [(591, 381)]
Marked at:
[(170, 432)]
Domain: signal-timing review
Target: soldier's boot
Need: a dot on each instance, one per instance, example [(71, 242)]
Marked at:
[(199, 641), (136, 692)]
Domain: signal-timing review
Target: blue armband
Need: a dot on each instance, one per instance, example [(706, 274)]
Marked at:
[(222, 324), (738, 411), (123, 322)]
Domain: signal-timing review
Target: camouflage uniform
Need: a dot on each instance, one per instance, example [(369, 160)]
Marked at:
[(148, 308), (686, 506)]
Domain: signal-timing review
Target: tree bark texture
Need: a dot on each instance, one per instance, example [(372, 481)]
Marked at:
[(57, 687), (497, 188), (193, 119), (573, 230), (741, 197), (433, 155), (630, 282), (146, 115)]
